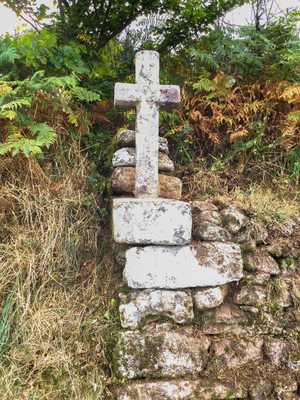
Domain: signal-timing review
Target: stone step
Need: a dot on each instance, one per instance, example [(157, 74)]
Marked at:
[(182, 390), (151, 221), (123, 182), (160, 351), (136, 307), (125, 157), (126, 138), (199, 265)]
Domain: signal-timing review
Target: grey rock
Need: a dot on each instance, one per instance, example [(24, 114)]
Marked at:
[(160, 351), (151, 221), (126, 138), (233, 219), (199, 265), (125, 157), (199, 206), (261, 261), (276, 350), (258, 278), (181, 390), (251, 296), (123, 182), (209, 298), (226, 318), (137, 306), (235, 353), (210, 232), (261, 390)]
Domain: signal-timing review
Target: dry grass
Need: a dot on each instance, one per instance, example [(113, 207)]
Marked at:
[(56, 284), (271, 201)]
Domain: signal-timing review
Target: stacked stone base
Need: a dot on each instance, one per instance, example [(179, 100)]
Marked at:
[(212, 315)]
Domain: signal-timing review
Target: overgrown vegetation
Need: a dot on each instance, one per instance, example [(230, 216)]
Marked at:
[(236, 135)]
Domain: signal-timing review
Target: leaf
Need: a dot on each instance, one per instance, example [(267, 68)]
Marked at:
[(294, 116), (83, 94)]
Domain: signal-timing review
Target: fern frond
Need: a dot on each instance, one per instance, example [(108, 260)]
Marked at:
[(291, 93), (205, 84), (18, 143), (16, 104), (8, 56), (294, 116), (83, 94)]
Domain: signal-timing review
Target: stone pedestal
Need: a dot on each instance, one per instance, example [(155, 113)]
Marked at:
[(151, 221)]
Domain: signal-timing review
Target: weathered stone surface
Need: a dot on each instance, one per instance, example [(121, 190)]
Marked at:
[(210, 298), (200, 206), (235, 353), (283, 295), (285, 387), (257, 278), (126, 138), (261, 261), (146, 95), (276, 350), (233, 219), (125, 157), (119, 253), (210, 232), (123, 182), (181, 390), (261, 390), (151, 221), (202, 264), (251, 295), (160, 351), (137, 306), (259, 233), (226, 318)]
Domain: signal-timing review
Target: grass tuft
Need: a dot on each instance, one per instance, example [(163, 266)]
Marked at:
[(56, 283)]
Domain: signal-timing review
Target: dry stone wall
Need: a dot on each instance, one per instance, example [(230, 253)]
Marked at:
[(210, 304), (209, 310)]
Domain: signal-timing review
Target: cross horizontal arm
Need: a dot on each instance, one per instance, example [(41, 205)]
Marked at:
[(169, 95), (126, 94)]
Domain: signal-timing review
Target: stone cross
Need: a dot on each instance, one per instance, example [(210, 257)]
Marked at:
[(147, 95)]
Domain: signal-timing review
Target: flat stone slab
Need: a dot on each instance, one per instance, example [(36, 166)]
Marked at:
[(181, 390), (123, 182), (125, 157), (151, 221), (160, 351), (198, 265), (126, 138), (137, 307)]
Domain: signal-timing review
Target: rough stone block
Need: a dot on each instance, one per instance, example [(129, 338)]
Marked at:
[(137, 306), (181, 390), (209, 298), (261, 261), (251, 295), (234, 219), (151, 221), (226, 318), (210, 232), (236, 353), (199, 265), (125, 157), (160, 351), (126, 138), (276, 350), (123, 181)]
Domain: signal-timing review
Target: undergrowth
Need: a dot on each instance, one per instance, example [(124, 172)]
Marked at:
[(56, 282)]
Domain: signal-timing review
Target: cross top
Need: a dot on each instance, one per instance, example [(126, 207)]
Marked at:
[(147, 95)]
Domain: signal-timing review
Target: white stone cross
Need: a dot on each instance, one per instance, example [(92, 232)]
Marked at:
[(147, 95)]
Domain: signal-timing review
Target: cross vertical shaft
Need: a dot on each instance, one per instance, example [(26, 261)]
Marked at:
[(147, 95), (147, 125)]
